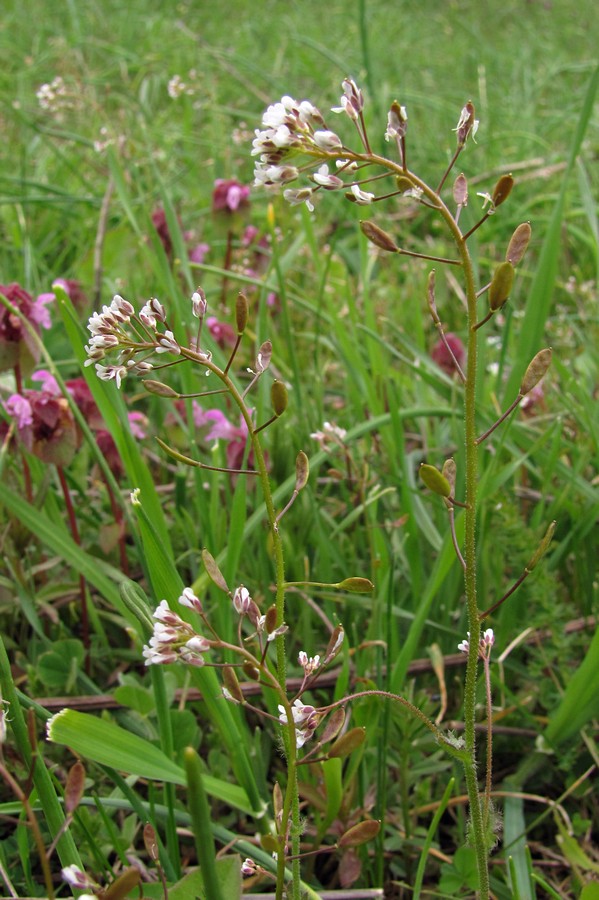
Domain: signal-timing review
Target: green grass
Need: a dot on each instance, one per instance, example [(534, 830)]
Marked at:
[(352, 337)]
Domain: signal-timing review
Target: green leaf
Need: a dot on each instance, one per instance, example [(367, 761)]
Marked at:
[(580, 702), (111, 745), (58, 668)]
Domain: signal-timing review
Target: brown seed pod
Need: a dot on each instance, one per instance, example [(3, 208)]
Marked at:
[(158, 388), (518, 243), (378, 237), (360, 833), (502, 190), (460, 190), (302, 471), (214, 573), (537, 368), (347, 743), (231, 683), (449, 471), (241, 312)]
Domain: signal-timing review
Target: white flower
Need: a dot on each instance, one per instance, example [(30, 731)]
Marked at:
[(107, 373), (363, 198), (198, 303), (327, 140), (308, 664), (168, 343), (241, 600), (189, 599), (331, 182), (296, 197)]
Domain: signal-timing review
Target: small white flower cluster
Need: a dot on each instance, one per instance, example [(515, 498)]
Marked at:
[(330, 434), (291, 128), (173, 640), (308, 663), (53, 96), (177, 87), (485, 644), (305, 719), (109, 334)]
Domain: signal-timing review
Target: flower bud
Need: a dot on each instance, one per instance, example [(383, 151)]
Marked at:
[(360, 833), (158, 388), (460, 190), (278, 397), (434, 480), (241, 312), (501, 285), (356, 585), (518, 243), (232, 684), (536, 369), (378, 237), (502, 190), (214, 573), (302, 471), (347, 743)]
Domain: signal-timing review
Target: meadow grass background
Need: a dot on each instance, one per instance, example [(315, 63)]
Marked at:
[(353, 338)]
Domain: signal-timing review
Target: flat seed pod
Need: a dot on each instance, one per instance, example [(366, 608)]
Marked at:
[(278, 397), (347, 743), (501, 285), (214, 573), (241, 312), (360, 833), (378, 237), (302, 470), (434, 480), (518, 243), (536, 370), (502, 190), (460, 190)]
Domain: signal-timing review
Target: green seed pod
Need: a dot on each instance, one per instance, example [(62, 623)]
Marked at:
[(542, 548), (158, 388), (501, 285), (378, 237), (231, 683), (536, 369), (360, 833), (302, 471), (347, 743), (214, 573), (502, 190), (518, 243), (278, 397), (269, 843), (434, 480), (356, 585), (449, 471), (241, 312), (460, 190), (125, 883), (404, 184), (333, 726)]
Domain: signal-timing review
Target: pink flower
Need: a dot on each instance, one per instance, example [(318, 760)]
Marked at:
[(223, 333), (17, 347), (198, 253), (443, 358), (39, 313), (48, 382), (160, 224), (73, 289), (229, 195), (45, 425), (137, 423)]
